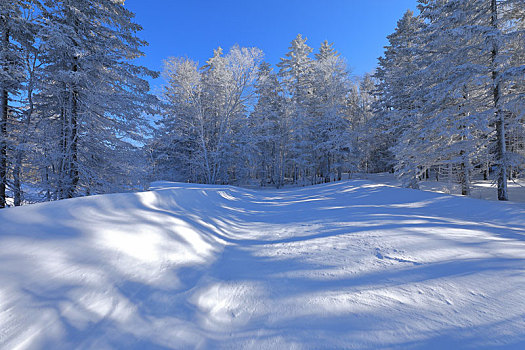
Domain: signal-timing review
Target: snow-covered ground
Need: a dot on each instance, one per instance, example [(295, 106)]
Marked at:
[(353, 264), (480, 189)]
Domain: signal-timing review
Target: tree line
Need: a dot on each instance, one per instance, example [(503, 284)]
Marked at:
[(447, 101), (236, 120), (451, 92)]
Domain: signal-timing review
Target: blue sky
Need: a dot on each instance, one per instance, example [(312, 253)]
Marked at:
[(193, 28)]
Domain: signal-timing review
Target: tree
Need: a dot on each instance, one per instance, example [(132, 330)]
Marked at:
[(507, 30), (330, 126), (395, 108), (453, 94), (459, 76), (91, 97), (205, 111), (296, 71), (269, 128), (16, 37), (364, 132), (473, 78)]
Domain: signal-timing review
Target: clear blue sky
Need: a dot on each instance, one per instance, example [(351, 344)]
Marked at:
[(193, 28)]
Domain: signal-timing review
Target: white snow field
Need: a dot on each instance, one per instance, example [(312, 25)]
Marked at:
[(480, 189), (346, 265)]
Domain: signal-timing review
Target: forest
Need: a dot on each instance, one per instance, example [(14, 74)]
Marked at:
[(447, 101)]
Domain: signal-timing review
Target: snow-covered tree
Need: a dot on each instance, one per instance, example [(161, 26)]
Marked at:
[(297, 73), (506, 37), (450, 86), (205, 111), (269, 129), (17, 35), (330, 127), (395, 108), (365, 136), (298, 128), (452, 94), (91, 97)]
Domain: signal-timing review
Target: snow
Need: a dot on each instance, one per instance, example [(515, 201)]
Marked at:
[(353, 264), (480, 189)]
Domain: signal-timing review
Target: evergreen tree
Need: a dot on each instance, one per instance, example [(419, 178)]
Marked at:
[(91, 97), (269, 128), (506, 37), (16, 37), (395, 108), (448, 77), (296, 71), (330, 127), (454, 114)]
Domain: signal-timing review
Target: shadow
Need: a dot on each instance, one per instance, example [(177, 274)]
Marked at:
[(349, 264)]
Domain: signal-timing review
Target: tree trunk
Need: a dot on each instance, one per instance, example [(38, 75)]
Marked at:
[(73, 142), (17, 171), (3, 148), (3, 130), (465, 178), (500, 118), (501, 150), (64, 148), (48, 191), (17, 186)]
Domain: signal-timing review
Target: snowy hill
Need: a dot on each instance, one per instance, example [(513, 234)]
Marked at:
[(347, 265)]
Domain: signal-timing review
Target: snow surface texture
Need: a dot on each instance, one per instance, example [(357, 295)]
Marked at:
[(347, 265), (480, 189)]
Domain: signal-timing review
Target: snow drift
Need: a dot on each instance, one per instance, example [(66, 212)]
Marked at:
[(347, 265)]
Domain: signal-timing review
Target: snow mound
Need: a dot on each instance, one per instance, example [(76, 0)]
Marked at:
[(353, 264)]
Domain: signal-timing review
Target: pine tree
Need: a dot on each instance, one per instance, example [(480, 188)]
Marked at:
[(296, 71), (506, 36), (269, 128), (395, 109), (16, 37), (513, 100), (459, 76), (91, 97), (453, 93), (471, 83), (330, 128)]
